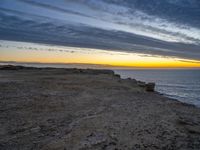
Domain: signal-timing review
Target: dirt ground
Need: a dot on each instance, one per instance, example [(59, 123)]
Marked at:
[(74, 109)]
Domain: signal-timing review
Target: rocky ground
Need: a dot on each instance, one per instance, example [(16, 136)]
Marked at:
[(74, 109)]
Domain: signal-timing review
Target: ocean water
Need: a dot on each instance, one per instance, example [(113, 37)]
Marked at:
[(183, 85)]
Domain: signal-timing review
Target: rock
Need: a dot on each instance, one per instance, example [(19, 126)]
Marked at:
[(131, 81), (36, 129), (93, 139), (117, 75), (141, 84), (194, 129), (150, 87)]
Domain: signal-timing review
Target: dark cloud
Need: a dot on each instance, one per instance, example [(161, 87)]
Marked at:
[(29, 26), (43, 5), (183, 11)]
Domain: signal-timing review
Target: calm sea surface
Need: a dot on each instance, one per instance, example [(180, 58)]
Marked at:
[(183, 85)]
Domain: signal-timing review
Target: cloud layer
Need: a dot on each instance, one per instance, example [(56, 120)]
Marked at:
[(167, 27)]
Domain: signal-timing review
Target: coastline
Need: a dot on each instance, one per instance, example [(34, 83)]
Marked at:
[(182, 85), (59, 108)]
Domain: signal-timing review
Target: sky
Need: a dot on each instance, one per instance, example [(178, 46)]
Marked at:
[(137, 33)]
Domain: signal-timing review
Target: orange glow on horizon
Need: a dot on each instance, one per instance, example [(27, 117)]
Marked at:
[(94, 56)]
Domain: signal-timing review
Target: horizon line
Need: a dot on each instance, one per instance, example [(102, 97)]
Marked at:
[(107, 66)]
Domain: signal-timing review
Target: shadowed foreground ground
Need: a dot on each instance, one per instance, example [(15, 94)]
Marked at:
[(71, 109)]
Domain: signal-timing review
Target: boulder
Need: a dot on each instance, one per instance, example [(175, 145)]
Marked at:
[(150, 87), (117, 76), (141, 84)]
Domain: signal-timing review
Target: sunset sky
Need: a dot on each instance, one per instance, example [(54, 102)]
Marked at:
[(126, 33)]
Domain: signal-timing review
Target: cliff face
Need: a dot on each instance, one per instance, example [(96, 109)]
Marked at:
[(90, 109)]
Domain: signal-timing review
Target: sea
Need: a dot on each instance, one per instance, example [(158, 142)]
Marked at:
[(179, 84)]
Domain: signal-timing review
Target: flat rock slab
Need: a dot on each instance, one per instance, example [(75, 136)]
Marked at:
[(72, 109)]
